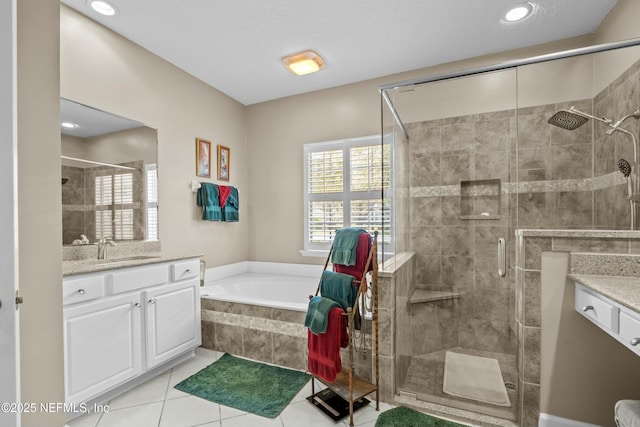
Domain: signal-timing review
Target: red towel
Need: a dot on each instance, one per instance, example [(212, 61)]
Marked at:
[(362, 253), (224, 191), (324, 349)]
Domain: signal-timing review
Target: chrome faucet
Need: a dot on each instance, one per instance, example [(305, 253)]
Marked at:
[(102, 246)]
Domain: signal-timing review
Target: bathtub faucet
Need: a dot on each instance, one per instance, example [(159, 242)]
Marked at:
[(102, 246)]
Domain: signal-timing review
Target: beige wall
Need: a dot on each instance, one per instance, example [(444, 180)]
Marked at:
[(277, 131), (620, 24), (104, 70), (39, 207), (116, 147)]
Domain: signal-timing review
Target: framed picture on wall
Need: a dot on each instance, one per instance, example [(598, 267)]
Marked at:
[(203, 158), (224, 159)]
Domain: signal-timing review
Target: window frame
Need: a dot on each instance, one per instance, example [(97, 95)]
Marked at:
[(346, 196)]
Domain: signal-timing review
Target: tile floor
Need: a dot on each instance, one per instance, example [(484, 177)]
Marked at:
[(157, 404)]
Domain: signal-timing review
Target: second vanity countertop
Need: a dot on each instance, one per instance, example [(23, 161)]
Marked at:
[(623, 290), (84, 266)]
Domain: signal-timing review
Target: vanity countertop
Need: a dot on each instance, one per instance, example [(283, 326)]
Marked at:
[(621, 289), (84, 266)]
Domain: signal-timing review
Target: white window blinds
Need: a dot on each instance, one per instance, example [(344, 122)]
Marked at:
[(344, 181), (114, 206), (152, 201)]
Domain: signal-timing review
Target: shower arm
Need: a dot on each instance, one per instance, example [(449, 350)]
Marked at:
[(616, 125), (636, 150), (589, 116)]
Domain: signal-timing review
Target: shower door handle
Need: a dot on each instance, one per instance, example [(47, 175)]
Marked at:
[(502, 260)]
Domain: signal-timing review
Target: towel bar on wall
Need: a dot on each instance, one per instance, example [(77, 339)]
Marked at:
[(194, 185)]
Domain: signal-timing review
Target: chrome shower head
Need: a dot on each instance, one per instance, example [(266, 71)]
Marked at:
[(567, 119), (624, 167)]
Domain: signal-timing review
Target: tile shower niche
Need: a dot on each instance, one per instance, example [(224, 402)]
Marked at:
[(480, 199)]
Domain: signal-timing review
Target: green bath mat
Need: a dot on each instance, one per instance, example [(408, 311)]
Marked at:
[(406, 417), (253, 387)]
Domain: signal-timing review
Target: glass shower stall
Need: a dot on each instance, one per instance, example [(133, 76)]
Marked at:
[(477, 154)]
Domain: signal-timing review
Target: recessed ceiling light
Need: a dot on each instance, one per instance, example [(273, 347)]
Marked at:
[(519, 12), (102, 7), (68, 125), (303, 63)]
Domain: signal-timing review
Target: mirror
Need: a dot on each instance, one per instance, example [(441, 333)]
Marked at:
[(109, 176)]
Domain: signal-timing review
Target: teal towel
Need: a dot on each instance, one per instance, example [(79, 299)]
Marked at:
[(318, 314), (207, 197), (344, 246), (339, 288), (231, 207)]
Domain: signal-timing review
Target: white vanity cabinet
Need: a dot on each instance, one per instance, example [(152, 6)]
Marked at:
[(617, 320), (103, 344), (172, 312), (120, 324)]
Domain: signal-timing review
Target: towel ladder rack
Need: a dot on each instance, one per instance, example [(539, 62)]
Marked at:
[(347, 385)]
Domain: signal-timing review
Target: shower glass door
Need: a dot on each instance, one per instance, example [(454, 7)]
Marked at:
[(455, 338)]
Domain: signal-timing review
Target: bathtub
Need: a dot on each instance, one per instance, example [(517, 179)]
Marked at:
[(257, 310), (263, 289)]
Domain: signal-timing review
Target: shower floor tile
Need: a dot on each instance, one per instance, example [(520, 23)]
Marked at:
[(425, 379)]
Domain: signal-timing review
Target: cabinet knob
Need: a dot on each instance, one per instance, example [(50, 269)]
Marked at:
[(188, 271), (587, 308), (81, 291), (634, 342), (152, 301), (137, 305)]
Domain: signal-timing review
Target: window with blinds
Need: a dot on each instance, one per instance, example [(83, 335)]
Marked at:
[(152, 201), (114, 206), (344, 181)]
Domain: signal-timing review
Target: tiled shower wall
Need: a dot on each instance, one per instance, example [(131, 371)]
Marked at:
[(601, 205), (562, 180), (78, 201), (459, 254)]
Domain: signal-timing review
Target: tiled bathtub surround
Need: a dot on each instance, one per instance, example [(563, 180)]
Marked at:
[(261, 333), (272, 335)]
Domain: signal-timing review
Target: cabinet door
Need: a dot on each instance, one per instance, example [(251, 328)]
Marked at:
[(103, 345), (173, 320)]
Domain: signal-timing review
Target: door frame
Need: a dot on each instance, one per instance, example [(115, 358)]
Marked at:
[(9, 319)]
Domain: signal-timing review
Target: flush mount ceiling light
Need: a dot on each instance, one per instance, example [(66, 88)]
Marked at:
[(518, 13), (303, 63), (102, 7), (68, 125)]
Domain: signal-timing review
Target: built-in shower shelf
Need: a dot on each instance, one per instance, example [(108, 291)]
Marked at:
[(422, 295)]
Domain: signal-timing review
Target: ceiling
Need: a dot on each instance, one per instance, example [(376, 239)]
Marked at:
[(90, 121), (236, 46)]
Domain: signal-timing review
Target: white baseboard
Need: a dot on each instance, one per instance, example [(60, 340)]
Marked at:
[(547, 420)]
